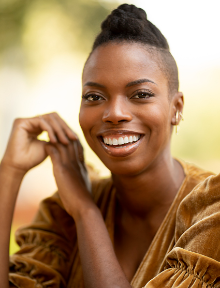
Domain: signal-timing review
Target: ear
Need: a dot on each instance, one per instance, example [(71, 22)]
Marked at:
[(177, 104)]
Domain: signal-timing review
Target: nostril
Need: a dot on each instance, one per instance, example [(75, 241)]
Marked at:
[(117, 113), (115, 121)]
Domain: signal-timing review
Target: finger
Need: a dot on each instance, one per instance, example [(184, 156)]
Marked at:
[(72, 151), (69, 132), (64, 153), (37, 125), (52, 151), (56, 126), (79, 154), (80, 159), (80, 151), (76, 151)]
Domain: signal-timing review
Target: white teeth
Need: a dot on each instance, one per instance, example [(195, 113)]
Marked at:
[(115, 141), (121, 140), (126, 140)]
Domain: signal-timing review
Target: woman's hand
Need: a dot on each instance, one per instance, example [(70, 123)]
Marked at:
[(99, 262), (24, 150), (71, 176)]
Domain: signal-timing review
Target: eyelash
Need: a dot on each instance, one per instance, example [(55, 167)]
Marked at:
[(86, 97), (143, 94)]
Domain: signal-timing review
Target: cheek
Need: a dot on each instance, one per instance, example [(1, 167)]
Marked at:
[(84, 120), (87, 120), (156, 117), (157, 123)]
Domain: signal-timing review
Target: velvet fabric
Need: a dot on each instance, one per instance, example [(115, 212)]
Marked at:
[(185, 251)]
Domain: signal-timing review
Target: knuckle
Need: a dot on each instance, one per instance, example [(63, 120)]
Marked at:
[(55, 114), (64, 168), (17, 121)]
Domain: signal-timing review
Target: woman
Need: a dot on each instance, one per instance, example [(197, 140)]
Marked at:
[(156, 222)]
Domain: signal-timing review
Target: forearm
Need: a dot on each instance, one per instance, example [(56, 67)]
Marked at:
[(99, 262), (10, 181)]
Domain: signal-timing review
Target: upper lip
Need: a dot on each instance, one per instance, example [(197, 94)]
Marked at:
[(109, 132)]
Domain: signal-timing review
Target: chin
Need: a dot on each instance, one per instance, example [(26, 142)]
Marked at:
[(127, 167)]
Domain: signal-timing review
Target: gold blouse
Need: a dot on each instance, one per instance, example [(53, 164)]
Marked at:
[(185, 251)]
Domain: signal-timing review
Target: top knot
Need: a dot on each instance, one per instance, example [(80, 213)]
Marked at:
[(137, 13), (126, 19), (130, 23)]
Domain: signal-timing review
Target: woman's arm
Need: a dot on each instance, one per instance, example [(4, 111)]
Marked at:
[(23, 152), (99, 262), (10, 180)]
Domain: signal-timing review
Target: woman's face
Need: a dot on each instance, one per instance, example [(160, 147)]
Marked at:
[(126, 114)]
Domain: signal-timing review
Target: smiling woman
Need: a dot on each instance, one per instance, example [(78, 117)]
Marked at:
[(156, 221), (127, 95)]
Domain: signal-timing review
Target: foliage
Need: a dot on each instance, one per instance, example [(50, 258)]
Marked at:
[(80, 18)]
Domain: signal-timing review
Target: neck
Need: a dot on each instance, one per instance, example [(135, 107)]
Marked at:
[(153, 190)]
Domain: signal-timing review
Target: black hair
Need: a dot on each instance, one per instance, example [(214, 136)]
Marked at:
[(128, 23)]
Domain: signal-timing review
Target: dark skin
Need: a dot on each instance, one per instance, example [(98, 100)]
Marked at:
[(142, 202), (145, 175)]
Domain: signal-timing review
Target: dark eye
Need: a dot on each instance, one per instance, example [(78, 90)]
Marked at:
[(92, 97), (142, 95)]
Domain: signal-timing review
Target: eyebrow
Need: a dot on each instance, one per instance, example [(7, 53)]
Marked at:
[(139, 81), (133, 83), (94, 84)]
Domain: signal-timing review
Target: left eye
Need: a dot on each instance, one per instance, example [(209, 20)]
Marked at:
[(92, 97), (142, 95)]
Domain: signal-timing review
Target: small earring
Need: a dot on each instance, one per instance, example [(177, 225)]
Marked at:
[(177, 120), (178, 113)]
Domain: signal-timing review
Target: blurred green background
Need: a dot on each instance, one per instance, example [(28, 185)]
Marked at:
[(43, 46)]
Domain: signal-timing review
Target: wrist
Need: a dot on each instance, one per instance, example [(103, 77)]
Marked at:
[(11, 173), (87, 211)]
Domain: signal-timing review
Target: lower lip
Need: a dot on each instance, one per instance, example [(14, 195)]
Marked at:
[(121, 150)]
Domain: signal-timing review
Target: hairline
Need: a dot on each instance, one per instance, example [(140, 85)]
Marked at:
[(161, 56)]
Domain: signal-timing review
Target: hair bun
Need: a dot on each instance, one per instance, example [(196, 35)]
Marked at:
[(130, 23), (137, 13), (126, 19)]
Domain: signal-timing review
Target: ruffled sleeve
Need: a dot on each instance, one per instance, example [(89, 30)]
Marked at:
[(48, 255), (194, 262), (47, 248)]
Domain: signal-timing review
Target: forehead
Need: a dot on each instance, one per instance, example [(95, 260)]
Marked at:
[(123, 61)]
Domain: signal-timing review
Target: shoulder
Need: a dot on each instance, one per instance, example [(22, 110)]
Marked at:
[(204, 194), (193, 172), (202, 201), (193, 176)]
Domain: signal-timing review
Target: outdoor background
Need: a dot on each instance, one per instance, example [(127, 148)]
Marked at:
[(43, 46)]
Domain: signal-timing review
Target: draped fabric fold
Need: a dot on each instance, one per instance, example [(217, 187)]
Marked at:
[(185, 252), (187, 270)]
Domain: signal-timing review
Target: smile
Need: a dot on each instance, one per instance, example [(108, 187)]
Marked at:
[(121, 140), (120, 144)]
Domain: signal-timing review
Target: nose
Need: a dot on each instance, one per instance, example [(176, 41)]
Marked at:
[(117, 111)]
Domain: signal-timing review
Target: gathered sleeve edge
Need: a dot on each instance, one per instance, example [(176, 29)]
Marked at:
[(47, 240), (25, 271), (187, 269)]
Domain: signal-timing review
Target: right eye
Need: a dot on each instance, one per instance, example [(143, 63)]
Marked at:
[(92, 97)]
